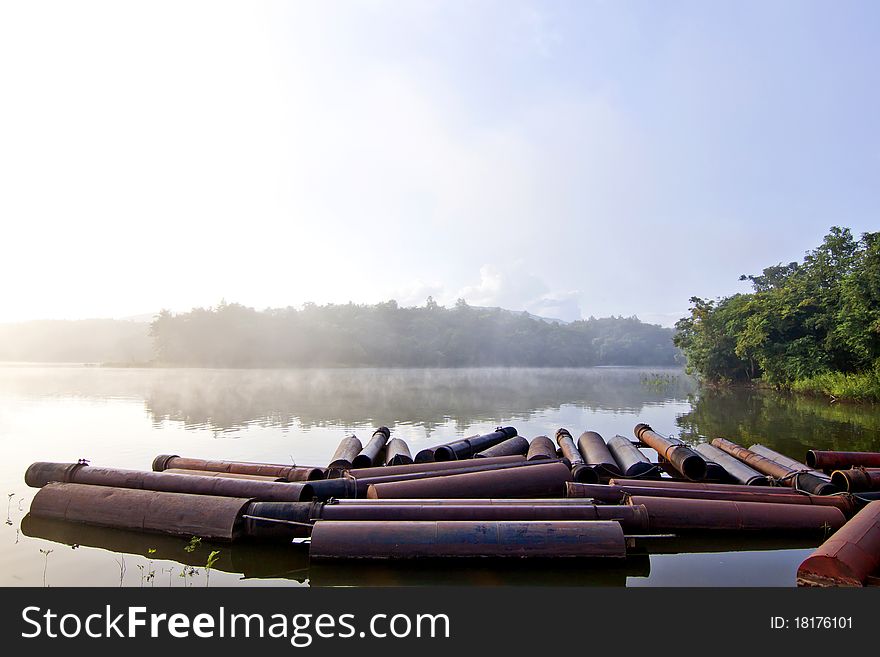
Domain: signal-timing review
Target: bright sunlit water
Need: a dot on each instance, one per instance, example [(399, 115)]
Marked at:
[(125, 417)]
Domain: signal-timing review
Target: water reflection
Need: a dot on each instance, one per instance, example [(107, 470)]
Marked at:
[(228, 400), (791, 424)]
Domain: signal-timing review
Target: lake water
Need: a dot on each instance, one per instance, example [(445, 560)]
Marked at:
[(125, 417)]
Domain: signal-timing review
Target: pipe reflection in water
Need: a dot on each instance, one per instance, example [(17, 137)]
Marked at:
[(487, 572), (250, 559)]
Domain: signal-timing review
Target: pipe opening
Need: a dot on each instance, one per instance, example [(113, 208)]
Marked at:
[(694, 467)]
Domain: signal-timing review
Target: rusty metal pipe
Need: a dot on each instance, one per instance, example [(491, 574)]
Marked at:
[(849, 557), (541, 448), (397, 453), (228, 475), (685, 460), (467, 447), (458, 501), (735, 469), (40, 474), (288, 472), (670, 515), (831, 460), (617, 492), (633, 519), (369, 455), (346, 452), (462, 539), (580, 471), (432, 466), (595, 452), (702, 485), (857, 480), (210, 517), (537, 480), (630, 460), (356, 486), (784, 475), (516, 446)]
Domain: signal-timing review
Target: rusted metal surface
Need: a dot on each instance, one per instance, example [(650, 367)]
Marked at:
[(701, 485), (425, 455), (630, 460), (287, 472), (279, 521), (857, 480), (39, 474), (534, 480), (397, 453), (470, 501), (467, 447), (210, 517), (831, 460), (849, 557), (813, 481), (735, 469), (674, 514), (580, 471), (431, 466), (541, 448), (476, 539), (228, 475), (345, 454), (633, 519), (595, 452), (369, 455), (782, 474), (685, 460), (516, 446), (615, 493), (350, 485)]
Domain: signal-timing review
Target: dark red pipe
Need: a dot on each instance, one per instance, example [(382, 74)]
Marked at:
[(849, 557)]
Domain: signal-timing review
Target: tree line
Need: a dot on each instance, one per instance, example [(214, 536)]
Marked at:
[(810, 326), (388, 335)]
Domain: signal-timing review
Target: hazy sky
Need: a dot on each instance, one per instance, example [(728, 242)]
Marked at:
[(571, 159)]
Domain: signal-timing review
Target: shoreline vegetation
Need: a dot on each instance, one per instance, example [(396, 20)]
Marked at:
[(810, 327)]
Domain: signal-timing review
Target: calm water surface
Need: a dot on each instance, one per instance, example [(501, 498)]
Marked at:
[(125, 417)]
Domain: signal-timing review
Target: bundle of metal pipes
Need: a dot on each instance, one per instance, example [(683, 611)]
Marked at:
[(492, 495)]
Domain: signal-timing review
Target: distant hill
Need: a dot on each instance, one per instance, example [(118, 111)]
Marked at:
[(381, 335)]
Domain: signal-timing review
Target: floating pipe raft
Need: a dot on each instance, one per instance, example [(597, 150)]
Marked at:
[(781, 473), (441, 539), (397, 453), (849, 557), (629, 458), (615, 494), (830, 460), (516, 446), (595, 452), (288, 472), (537, 480), (857, 480), (670, 514), (369, 455), (736, 469), (541, 448), (580, 471), (40, 474), (685, 460), (211, 517), (345, 454)]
